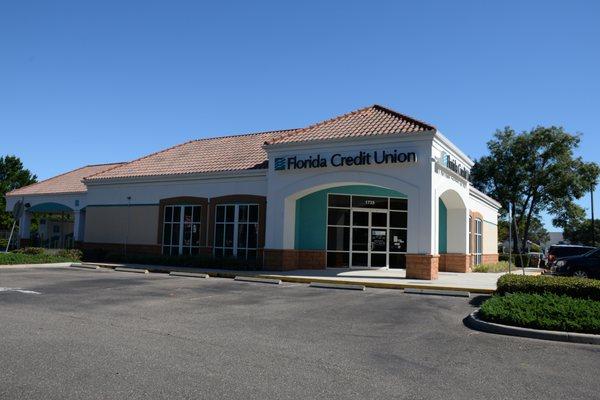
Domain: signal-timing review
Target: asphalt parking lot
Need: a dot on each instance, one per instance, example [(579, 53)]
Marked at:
[(77, 334)]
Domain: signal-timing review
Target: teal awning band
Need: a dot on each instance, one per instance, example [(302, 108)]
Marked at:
[(49, 208)]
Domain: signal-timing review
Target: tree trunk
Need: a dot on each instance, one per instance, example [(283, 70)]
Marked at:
[(515, 243), (528, 223)]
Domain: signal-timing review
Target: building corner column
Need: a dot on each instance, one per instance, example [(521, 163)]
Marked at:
[(24, 228), (78, 227), (422, 266)]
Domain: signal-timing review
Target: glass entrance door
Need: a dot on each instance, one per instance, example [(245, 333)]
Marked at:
[(369, 241)]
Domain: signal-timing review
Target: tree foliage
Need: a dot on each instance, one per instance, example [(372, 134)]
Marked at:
[(13, 175), (580, 232), (532, 172)]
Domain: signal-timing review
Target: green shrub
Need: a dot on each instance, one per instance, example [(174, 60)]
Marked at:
[(573, 287), (195, 261), (520, 260), (500, 266), (22, 258), (30, 250), (543, 311), (72, 254)]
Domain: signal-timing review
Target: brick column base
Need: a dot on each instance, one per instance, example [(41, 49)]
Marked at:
[(489, 258), (454, 262), (422, 266), (287, 259)]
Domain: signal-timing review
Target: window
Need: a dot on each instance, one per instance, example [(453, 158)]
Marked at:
[(236, 230), (181, 230), (470, 234), (478, 240)]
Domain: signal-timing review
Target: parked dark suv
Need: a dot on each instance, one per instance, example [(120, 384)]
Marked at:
[(583, 266), (564, 250)]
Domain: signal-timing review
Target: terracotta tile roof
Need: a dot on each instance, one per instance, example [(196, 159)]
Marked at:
[(229, 153), (69, 182), (232, 153), (368, 121)]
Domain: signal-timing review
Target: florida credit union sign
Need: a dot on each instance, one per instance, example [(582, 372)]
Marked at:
[(373, 157)]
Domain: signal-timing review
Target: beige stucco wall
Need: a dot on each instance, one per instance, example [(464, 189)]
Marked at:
[(490, 238), (109, 224)]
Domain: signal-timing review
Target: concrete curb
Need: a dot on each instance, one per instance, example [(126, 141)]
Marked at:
[(257, 280), (310, 279), (42, 265), (453, 293), (377, 285), (84, 266), (189, 274), (474, 322), (134, 270), (336, 286)]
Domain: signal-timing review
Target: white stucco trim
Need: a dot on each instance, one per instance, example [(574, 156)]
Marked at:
[(484, 198), (353, 141), (444, 141), (281, 225)]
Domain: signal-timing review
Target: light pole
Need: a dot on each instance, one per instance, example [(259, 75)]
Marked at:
[(128, 221), (509, 237), (593, 221)]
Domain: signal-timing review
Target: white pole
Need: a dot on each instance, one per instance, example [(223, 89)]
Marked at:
[(10, 236), (509, 238)]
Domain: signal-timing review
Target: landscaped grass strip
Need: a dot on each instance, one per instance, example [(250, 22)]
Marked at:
[(543, 311), (574, 287)]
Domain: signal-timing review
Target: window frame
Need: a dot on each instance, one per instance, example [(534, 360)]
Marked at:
[(351, 225), (478, 241), (180, 246), (235, 248)]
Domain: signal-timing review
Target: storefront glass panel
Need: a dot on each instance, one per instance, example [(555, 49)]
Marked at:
[(366, 231)]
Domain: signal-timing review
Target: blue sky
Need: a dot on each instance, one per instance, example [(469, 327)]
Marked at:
[(87, 82)]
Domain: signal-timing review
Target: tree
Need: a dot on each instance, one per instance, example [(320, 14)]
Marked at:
[(537, 232), (12, 176), (532, 172), (580, 232)]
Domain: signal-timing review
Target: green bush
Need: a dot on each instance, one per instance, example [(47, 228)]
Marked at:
[(73, 254), (518, 261), (31, 250), (574, 287), (543, 311), (500, 266), (194, 261), (22, 258)]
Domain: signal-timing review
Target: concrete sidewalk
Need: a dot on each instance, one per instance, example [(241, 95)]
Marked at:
[(385, 278)]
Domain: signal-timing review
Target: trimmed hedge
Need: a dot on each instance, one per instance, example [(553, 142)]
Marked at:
[(194, 261), (578, 288), (20, 258), (543, 311)]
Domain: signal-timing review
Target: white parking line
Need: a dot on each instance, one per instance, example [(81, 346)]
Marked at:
[(19, 290)]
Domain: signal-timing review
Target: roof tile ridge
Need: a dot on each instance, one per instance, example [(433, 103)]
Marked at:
[(46, 180), (298, 131), (138, 159), (403, 116), (180, 145), (107, 163), (240, 135)]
